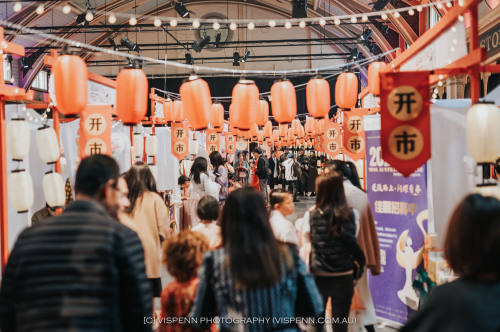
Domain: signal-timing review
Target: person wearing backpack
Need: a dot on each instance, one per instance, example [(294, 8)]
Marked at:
[(262, 172), (291, 174)]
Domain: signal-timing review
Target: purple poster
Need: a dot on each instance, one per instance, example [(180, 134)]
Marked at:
[(399, 206)]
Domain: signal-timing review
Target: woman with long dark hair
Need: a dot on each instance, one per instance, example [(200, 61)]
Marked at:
[(336, 259), (253, 265), (313, 173), (202, 183), (220, 173), (147, 215)]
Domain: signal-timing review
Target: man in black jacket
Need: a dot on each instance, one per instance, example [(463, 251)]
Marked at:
[(81, 270), (274, 168), (262, 172)]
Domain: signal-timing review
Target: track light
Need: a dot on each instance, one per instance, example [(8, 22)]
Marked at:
[(354, 54), (217, 39), (379, 5), (236, 59), (362, 38), (385, 29), (189, 59), (80, 19), (198, 45), (299, 8), (129, 44), (111, 40), (182, 10), (25, 65), (129, 60), (245, 57)]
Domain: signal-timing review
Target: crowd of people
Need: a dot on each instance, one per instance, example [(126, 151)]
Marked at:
[(96, 267)]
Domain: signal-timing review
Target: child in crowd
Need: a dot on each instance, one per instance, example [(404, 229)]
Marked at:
[(281, 204), (233, 183), (184, 182), (208, 211), (182, 256)]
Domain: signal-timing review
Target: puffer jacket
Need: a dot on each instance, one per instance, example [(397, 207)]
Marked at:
[(334, 254)]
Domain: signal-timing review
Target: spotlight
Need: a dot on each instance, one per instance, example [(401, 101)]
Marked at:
[(245, 57), (236, 59), (189, 59), (299, 8), (129, 44), (379, 5), (80, 19), (182, 10), (25, 65), (129, 60), (362, 38), (217, 39), (385, 29), (354, 54), (198, 45), (111, 40)]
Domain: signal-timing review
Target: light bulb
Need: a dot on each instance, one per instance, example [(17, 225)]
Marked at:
[(18, 6), (132, 21), (337, 21), (67, 9), (112, 19), (89, 17), (452, 49), (157, 22), (397, 15), (384, 16), (288, 25), (434, 96), (364, 18), (251, 26), (40, 9), (455, 41), (173, 23), (440, 6), (302, 24), (216, 26), (411, 12), (461, 18), (441, 77), (440, 83), (453, 29), (272, 24), (448, 4), (196, 24), (419, 8), (232, 26), (436, 90), (354, 19), (322, 22), (449, 61)]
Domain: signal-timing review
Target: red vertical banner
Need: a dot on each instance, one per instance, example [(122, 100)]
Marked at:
[(95, 131), (180, 139), (332, 139), (230, 143), (354, 134), (212, 139), (406, 120)]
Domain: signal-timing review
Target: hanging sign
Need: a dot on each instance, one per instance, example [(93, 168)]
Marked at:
[(354, 134), (230, 143), (406, 121), (95, 131), (180, 139), (212, 140), (332, 142)]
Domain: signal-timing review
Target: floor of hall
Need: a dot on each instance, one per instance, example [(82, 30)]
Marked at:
[(300, 208)]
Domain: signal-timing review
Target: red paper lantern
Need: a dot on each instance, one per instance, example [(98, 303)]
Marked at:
[(346, 91), (195, 96), (217, 117), (302, 132), (295, 127), (283, 102), (291, 135), (276, 135), (254, 131), (245, 134), (167, 111), (283, 128), (319, 127), (374, 70), (310, 125), (318, 97), (178, 111), (260, 137), (262, 113), (302, 141), (245, 102), (70, 80), (268, 130), (131, 95)]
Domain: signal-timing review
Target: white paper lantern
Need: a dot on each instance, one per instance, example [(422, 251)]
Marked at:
[(151, 145), (53, 188), (154, 170), (483, 135), (20, 189), (193, 147), (18, 139), (47, 144), (138, 145)]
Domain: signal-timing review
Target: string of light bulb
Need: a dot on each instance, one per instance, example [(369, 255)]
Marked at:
[(177, 64)]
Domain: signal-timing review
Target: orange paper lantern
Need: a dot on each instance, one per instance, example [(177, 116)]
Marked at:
[(318, 97), (254, 131), (283, 128), (217, 117), (310, 125), (295, 127), (178, 111), (302, 132), (268, 130), (262, 113), (70, 81), (276, 135), (319, 127), (167, 111), (197, 102), (283, 102), (374, 70), (260, 137), (245, 102), (131, 95), (346, 91)]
